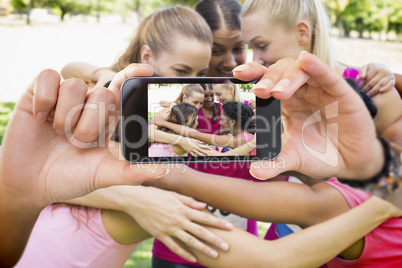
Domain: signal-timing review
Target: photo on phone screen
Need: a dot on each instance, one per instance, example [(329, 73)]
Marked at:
[(197, 120)]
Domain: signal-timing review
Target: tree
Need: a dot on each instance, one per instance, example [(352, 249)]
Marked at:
[(337, 7), (358, 15), (25, 5)]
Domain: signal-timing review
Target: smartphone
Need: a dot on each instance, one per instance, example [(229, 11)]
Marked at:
[(162, 121)]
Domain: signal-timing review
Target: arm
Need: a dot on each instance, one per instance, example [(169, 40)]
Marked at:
[(168, 216), (241, 150), (398, 83), (18, 215), (389, 115), (192, 146), (166, 104), (26, 186), (88, 73), (217, 140), (325, 240), (305, 205)]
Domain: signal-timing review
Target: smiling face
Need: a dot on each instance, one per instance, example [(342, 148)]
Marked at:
[(268, 41), (209, 98), (223, 94), (194, 99), (189, 58), (225, 123), (228, 51)]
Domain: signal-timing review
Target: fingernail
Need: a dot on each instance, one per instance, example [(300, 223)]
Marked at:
[(280, 87), (42, 116), (167, 170), (263, 84), (192, 259), (202, 204), (223, 246), (228, 225), (213, 253), (241, 68), (258, 178)]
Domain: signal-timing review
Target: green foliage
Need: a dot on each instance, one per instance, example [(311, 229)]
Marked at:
[(141, 257), (365, 15), (19, 5), (6, 109), (246, 87)]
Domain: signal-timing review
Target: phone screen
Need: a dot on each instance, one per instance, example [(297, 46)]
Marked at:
[(197, 120)]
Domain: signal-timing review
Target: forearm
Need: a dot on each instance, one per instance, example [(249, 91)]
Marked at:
[(155, 135), (398, 83), (242, 150), (262, 197), (389, 110), (393, 132), (112, 198), (217, 140), (17, 218), (325, 241)]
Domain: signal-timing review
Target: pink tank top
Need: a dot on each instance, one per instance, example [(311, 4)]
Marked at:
[(161, 150), (249, 137), (382, 247), (57, 240), (205, 124)]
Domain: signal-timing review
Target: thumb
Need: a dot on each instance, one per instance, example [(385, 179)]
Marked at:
[(269, 169)]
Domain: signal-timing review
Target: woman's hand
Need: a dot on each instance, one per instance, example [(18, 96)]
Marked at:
[(376, 78), (194, 147), (56, 144), (158, 120), (171, 217), (340, 142), (103, 76), (56, 148), (251, 104)]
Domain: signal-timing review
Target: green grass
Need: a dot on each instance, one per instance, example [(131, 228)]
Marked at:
[(141, 257), (6, 109)]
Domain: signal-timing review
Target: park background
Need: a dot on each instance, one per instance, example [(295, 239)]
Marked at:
[(39, 34)]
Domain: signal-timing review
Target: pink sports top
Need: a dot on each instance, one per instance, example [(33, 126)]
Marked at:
[(382, 247), (161, 150)]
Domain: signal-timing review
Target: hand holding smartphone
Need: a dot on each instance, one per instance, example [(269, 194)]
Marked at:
[(163, 121)]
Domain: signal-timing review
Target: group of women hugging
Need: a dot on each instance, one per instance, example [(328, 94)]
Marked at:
[(196, 114), (340, 226)]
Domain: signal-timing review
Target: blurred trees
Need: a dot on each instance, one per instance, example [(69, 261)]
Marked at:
[(363, 16), (380, 16)]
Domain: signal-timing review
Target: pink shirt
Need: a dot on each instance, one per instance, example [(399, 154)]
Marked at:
[(249, 137), (205, 124), (58, 241), (382, 247), (161, 150)]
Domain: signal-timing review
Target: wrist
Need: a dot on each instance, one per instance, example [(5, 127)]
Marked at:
[(384, 209), (127, 197), (388, 177)]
